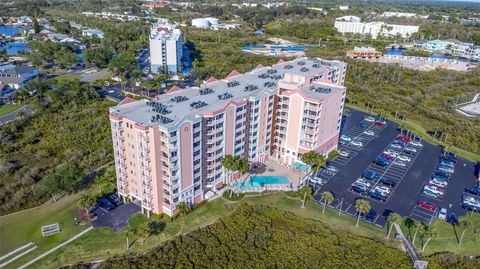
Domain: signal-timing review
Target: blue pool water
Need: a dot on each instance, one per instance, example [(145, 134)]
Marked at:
[(301, 166), (14, 47), (394, 51), (259, 181), (8, 30)]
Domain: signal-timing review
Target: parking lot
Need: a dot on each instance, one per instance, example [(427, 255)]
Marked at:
[(411, 177), (115, 219)]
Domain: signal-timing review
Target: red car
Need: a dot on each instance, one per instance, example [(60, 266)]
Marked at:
[(403, 139), (377, 123), (390, 158), (427, 205)]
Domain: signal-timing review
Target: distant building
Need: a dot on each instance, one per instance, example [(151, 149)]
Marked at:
[(352, 24), (165, 47), (463, 49), (470, 20), (432, 45), (93, 32), (152, 5), (16, 76), (364, 53), (402, 14), (205, 23), (343, 8)]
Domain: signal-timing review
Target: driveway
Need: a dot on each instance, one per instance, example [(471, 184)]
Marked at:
[(116, 219)]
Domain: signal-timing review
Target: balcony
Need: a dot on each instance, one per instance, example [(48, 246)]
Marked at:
[(143, 139)]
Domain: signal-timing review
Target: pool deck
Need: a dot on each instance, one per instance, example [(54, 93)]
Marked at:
[(273, 168)]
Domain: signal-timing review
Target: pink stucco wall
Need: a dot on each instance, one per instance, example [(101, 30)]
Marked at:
[(186, 154), (229, 129), (295, 115)]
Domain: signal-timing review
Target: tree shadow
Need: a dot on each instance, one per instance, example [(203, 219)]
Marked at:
[(409, 224), (456, 234)]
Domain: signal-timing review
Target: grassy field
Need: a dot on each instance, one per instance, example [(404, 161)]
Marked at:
[(419, 131), (7, 108), (103, 243)]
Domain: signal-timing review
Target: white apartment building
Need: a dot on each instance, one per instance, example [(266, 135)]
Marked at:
[(352, 24), (403, 14), (463, 49), (165, 47)]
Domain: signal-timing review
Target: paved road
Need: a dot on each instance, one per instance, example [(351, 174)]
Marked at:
[(11, 116)]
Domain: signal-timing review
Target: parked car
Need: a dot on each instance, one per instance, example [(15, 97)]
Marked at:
[(404, 139), (115, 199), (446, 169), (396, 146), (384, 190), (331, 168), (442, 174), (357, 143), (437, 182), (474, 190), (430, 193), (371, 216), (345, 138), (415, 143), (389, 182), (412, 149), (377, 123), (382, 161), (442, 214), (343, 153), (427, 205), (363, 125), (434, 189), (470, 200), (376, 195), (359, 189), (369, 119), (452, 218), (409, 151), (369, 174), (404, 158), (105, 204), (392, 152), (369, 133), (386, 156)]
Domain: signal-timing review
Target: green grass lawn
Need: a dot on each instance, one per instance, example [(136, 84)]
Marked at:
[(102, 243), (7, 108), (66, 77)]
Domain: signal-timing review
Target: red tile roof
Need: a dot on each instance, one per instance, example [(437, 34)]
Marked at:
[(174, 89), (233, 74), (127, 100), (211, 79)]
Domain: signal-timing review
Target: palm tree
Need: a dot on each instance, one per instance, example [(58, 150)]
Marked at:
[(464, 224), (430, 233), (362, 207), (416, 227), (184, 208), (392, 219), (130, 232), (85, 202), (228, 163), (314, 159), (327, 198)]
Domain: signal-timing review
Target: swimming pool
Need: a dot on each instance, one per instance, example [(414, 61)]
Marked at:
[(259, 181), (301, 166)]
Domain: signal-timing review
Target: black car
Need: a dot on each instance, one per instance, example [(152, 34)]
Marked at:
[(371, 216), (105, 204), (358, 189), (474, 190), (376, 195), (115, 199), (452, 218), (389, 182), (443, 174)]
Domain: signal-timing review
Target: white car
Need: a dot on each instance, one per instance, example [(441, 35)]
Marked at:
[(396, 146), (370, 119), (404, 158), (346, 138), (469, 200), (437, 182), (392, 153), (382, 189), (399, 163), (343, 153), (357, 143), (369, 133), (415, 143), (446, 169), (442, 213), (433, 189), (362, 182), (411, 149)]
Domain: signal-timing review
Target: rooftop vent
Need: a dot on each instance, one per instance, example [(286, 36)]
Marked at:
[(233, 83), (251, 87), (161, 119), (301, 63), (272, 71), (178, 99), (304, 69), (315, 65), (263, 76), (277, 77), (159, 108), (320, 89), (224, 96), (198, 104), (269, 84), (288, 66), (206, 91)]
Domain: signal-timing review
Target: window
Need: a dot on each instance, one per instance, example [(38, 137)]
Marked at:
[(196, 125)]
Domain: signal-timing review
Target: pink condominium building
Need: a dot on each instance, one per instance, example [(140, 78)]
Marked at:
[(168, 150)]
